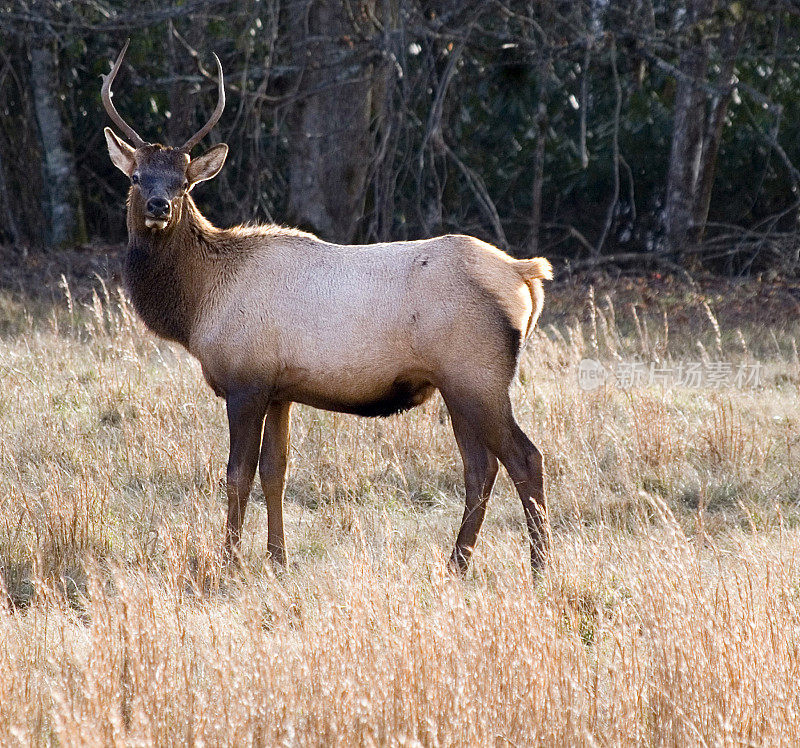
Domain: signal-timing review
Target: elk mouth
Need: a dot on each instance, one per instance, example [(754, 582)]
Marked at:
[(157, 220), (156, 223)]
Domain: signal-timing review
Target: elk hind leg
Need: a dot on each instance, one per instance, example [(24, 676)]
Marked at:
[(524, 464), (480, 471), (499, 432)]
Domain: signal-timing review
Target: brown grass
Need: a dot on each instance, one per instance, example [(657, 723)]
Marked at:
[(669, 615)]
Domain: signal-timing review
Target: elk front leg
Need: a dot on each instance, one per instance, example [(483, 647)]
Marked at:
[(272, 470), (246, 409)]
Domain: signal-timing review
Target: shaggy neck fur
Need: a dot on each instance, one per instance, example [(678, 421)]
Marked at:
[(169, 272)]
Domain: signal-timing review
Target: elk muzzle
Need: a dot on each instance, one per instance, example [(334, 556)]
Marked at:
[(157, 213)]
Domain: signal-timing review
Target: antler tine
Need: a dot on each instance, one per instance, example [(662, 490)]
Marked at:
[(105, 92), (200, 134)]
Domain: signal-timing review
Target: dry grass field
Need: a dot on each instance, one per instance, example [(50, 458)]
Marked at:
[(670, 614)]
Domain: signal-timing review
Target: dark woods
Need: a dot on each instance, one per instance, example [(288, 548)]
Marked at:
[(655, 133)]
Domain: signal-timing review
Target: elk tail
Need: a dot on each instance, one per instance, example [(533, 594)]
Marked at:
[(537, 268), (531, 271)]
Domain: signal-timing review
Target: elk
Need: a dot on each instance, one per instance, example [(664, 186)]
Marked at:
[(277, 316)]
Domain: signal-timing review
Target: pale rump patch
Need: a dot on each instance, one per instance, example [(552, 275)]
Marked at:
[(514, 284)]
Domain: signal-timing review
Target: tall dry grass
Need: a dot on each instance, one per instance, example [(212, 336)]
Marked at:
[(669, 614)]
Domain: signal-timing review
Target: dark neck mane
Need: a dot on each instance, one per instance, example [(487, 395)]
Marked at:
[(167, 271)]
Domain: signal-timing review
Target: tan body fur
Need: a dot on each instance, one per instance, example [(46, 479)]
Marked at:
[(277, 316), (337, 326)]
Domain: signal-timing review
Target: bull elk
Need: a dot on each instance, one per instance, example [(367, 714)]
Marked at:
[(277, 316)]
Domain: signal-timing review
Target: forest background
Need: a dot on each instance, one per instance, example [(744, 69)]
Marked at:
[(647, 133)]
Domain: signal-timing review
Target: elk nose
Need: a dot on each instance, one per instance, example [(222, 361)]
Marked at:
[(157, 207)]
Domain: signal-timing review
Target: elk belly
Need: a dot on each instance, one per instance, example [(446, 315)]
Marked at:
[(403, 393)]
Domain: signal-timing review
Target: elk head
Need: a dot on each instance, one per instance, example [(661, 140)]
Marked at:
[(160, 176)]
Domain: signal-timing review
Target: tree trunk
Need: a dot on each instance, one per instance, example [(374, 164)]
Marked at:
[(63, 209), (385, 125), (713, 132), (687, 147), (10, 222), (538, 180), (543, 76), (330, 143), (697, 129)]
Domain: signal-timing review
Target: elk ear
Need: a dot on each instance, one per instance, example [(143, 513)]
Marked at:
[(121, 153), (207, 165)]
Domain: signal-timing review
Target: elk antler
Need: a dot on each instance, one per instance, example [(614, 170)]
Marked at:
[(200, 134), (112, 112)]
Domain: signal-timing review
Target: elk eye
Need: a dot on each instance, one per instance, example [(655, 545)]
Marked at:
[(134, 179), (185, 185)]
